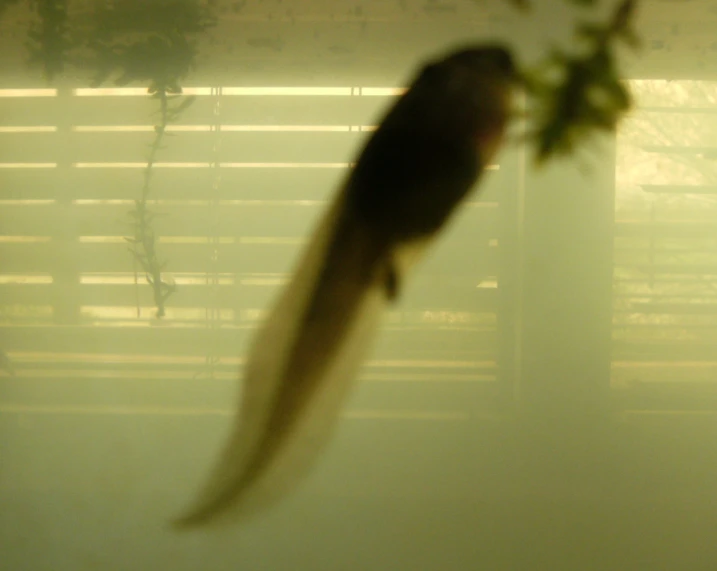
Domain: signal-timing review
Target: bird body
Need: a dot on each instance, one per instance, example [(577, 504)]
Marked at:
[(423, 159)]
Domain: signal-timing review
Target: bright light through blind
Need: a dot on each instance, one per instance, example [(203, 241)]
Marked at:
[(664, 301), (241, 179)]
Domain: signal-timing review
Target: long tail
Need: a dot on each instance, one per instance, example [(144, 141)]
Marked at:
[(299, 371), (305, 356)]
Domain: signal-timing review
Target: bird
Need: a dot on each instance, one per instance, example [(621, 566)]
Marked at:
[(427, 153)]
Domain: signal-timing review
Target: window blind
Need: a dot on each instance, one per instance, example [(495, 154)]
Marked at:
[(665, 305), (240, 182)]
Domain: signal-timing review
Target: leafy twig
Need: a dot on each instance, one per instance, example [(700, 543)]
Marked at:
[(5, 4), (588, 94), (161, 59), (136, 40), (48, 41), (143, 243)]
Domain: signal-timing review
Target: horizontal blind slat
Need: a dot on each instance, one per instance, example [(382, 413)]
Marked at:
[(417, 344)]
